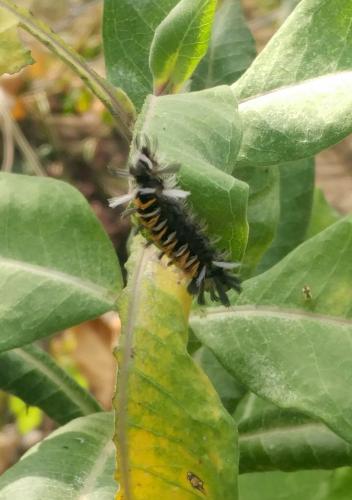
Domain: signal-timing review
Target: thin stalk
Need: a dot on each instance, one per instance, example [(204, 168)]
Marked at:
[(8, 142), (27, 151), (115, 100)]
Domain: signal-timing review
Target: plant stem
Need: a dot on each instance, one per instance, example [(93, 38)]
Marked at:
[(115, 100)]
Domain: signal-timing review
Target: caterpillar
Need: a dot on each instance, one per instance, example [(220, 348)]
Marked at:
[(161, 209)]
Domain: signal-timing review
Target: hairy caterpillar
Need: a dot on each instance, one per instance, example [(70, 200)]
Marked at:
[(161, 209)]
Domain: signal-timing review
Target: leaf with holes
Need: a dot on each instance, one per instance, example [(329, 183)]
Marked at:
[(57, 265), (288, 339), (174, 438)]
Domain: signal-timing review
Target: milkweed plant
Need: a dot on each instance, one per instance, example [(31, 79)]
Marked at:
[(250, 401)]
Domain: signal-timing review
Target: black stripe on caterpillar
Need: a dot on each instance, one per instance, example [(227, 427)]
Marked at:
[(161, 210)]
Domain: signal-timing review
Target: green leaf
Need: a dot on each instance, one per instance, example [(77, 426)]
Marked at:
[(179, 43), (275, 439), (231, 51), (296, 197), (13, 56), (315, 40), (207, 158), (263, 212), (340, 485), (228, 388), (303, 485), (32, 375), (74, 462), (322, 216), (115, 100), (312, 50), (285, 346), (231, 48), (57, 265), (296, 122), (171, 425), (128, 30)]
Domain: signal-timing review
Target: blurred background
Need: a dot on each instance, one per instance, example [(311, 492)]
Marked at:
[(52, 126)]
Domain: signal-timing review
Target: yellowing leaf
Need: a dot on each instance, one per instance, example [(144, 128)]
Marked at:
[(174, 438), (13, 56)]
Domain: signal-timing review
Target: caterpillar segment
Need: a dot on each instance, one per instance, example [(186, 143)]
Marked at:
[(165, 240), (161, 210)]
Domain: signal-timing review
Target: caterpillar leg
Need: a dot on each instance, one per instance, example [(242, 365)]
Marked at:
[(222, 293), (234, 282), (200, 298), (213, 295), (193, 288)]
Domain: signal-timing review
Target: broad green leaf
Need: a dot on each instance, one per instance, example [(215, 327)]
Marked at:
[(303, 485), (263, 212), (296, 122), (32, 375), (180, 42), (201, 131), (285, 346), (315, 40), (340, 485), (322, 216), (115, 100), (171, 425), (228, 388), (128, 30), (296, 196), (13, 56), (231, 49), (57, 265), (275, 439), (323, 263), (75, 462), (230, 52)]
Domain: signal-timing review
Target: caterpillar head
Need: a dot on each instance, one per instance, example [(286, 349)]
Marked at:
[(147, 169), (143, 166)]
